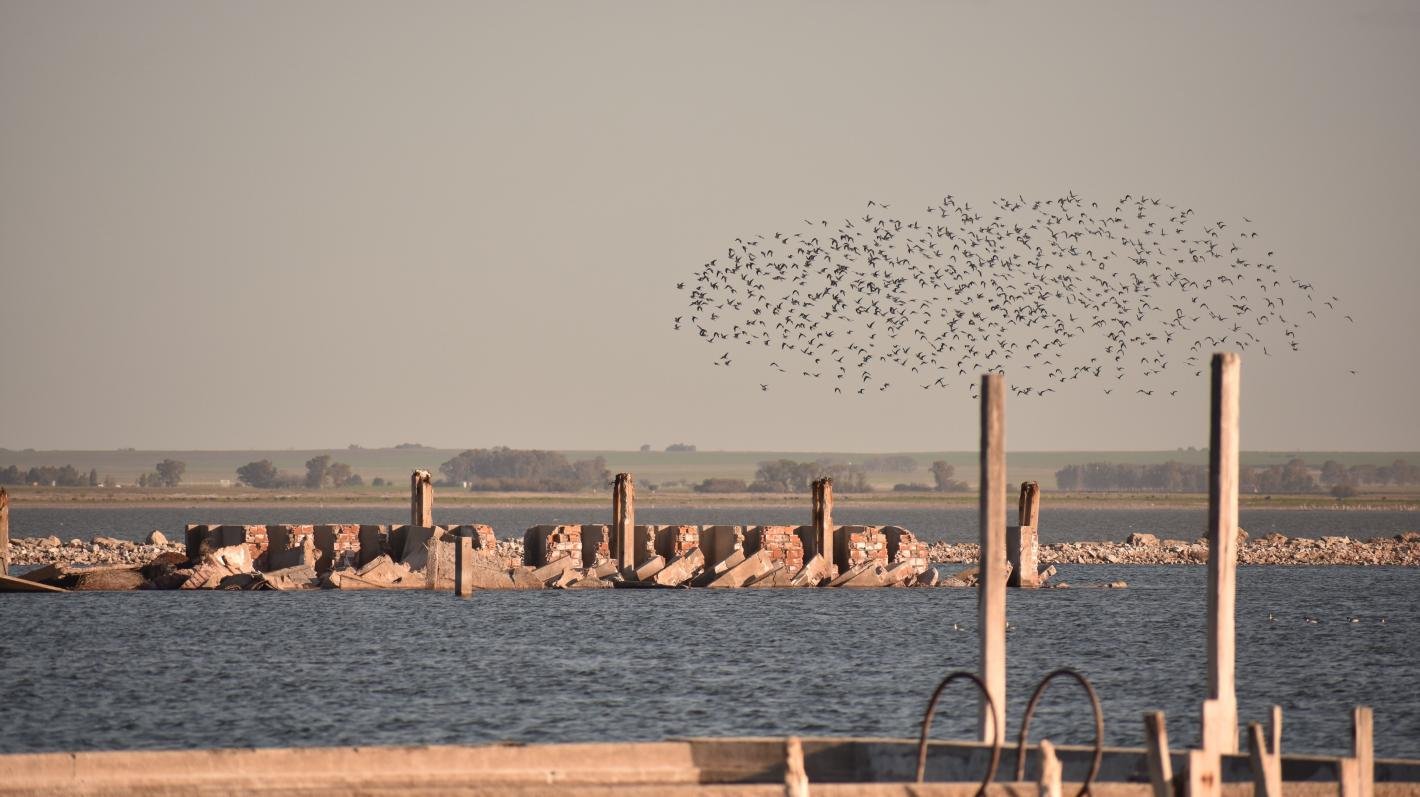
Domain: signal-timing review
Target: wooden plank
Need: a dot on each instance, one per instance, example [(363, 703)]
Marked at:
[(796, 777), (991, 583), (1348, 777), (1049, 770), (1222, 734), (15, 584), (1156, 740), (1266, 765), (1362, 749), (1204, 773)]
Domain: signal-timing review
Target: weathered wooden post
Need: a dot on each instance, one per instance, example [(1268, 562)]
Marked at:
[(4, 532), (1362, 749), (1220, 729), (1156, 740), (1049, 770), (1266, 764), (1023, 541), (991, 581), (823, 520), (623, 521), (463, 566), (421, 499)]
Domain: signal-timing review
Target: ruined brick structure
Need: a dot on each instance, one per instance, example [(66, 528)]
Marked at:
[(782, 543)]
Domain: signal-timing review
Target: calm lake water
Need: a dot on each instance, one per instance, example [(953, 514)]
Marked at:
[(932, 524), (170, 670)]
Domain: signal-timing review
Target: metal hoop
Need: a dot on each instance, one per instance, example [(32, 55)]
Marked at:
[(1099, 727), (996, 731)]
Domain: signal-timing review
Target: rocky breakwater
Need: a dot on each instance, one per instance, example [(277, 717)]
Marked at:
[(1401, 550)]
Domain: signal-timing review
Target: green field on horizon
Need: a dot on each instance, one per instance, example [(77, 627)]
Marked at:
[(653, 467)]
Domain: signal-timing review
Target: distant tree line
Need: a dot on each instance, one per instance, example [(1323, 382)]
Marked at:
[(890, 463), (943, 481), (506, 469), (59, 476), (681, 447), (321, 472), (1295, 476)]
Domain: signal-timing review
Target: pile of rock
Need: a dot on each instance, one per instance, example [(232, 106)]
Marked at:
[(99, 550), (1401, 550)]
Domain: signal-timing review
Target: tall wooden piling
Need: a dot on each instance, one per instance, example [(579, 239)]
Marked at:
[(1220, 727), (4, 532), (421, 499), (991, 582), (1362, 750), (823, 520), (623, 521)]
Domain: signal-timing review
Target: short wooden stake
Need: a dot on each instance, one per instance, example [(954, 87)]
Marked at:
[(991, 580), (463, 567), (1276, 730), (421, 499), (1363, 751), (1156, 740), (623, 521), (1049, 770), (1221, 734), (796, 778), (1348, 777), (4, 532), (1266, 764)]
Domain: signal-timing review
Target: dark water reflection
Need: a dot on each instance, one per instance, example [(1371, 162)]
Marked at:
[(162, 670)]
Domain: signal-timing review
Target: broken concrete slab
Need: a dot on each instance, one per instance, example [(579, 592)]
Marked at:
[(718, 543), (292, 578), (590, 581), (755, 565), (418, 540), (814, 573), (290, 546), (374, 543), (867, 574), (680, 570), (337, 546), (17, 584), (525, 578), (719, 568), (650, 567), (553, 570), (567, 577)]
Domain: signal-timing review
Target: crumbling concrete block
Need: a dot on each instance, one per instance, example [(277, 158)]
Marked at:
[(292, 578), (380, 573), (552, 571), (290, 546), (254, 537), (714, 570), (643, 543), (589, 580), (649, 568), (566, 578), (681, 570), (525, 578), (754, 566), (596, 544), (814, 572), (418, 541), (337, 546), (673, 541), (374, 543), (219, 564), (545, 544), (718, 543), (194, 535), (868, 574), (783, 544)]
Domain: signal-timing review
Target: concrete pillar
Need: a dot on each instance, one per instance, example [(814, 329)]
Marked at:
[(1220, 730), (4, 532), (1023, 541), (823, 520), (623, 521), (463, 567), (991, 583), (421, 499)]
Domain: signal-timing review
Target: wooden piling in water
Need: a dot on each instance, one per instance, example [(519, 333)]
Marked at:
[(421, 499), (823, 520), (4, 532), (991, 579), (1362, 749), (1220, 730), (1156, 743), (1266, 764), (1049, 770), (623, 521)]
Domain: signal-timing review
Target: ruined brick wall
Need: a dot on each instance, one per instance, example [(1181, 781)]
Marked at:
[(596, 544), (673, 541), (718, 542), (544, 544), (337, 546), (782, 543), (856, 545), (287, 545), (903, 546), (374, 543), (253, 537)]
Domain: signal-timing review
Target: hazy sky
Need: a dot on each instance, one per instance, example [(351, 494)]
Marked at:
[(273, 224)]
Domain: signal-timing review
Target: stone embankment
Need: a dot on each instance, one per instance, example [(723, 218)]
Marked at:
[(1275, 549)]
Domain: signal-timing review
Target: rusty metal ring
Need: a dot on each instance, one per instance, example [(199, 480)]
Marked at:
[(996, 731), (1099, 727)]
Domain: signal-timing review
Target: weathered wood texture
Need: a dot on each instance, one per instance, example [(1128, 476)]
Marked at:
[(1221, 734), (1049, 770), (421, 499), (1362, 749), (1023, 540), (1156, 741), (991, 584), (623, 521), (1266, 764)]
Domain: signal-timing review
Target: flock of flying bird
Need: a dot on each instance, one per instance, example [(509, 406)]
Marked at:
[(1128, 293)]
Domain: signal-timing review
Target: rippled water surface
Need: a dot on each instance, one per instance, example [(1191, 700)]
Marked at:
[(954, 525), (167, 669)]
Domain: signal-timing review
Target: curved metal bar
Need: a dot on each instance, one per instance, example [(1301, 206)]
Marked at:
[(1099, 726), (996, 732)]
